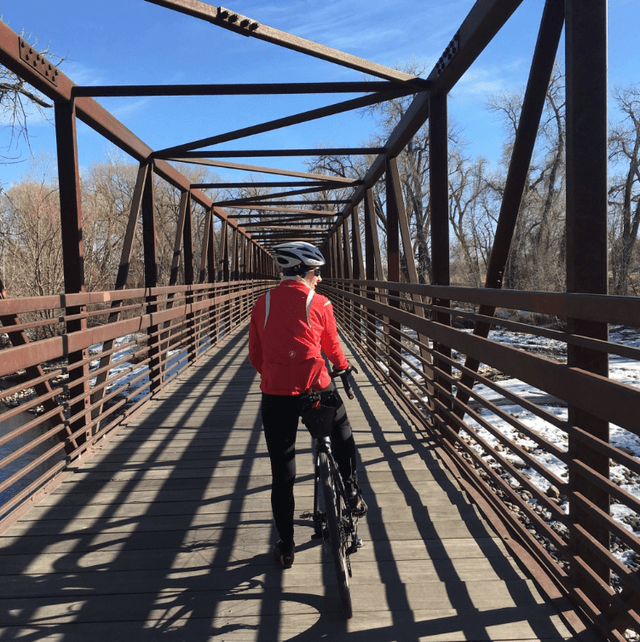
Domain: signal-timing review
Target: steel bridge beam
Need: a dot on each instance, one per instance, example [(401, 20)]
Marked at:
[(587, 265), (241, 24)]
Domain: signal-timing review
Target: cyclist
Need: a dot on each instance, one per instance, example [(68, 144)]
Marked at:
[(290, 327)]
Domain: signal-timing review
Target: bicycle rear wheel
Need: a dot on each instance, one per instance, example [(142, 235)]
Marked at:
[(334, 506)]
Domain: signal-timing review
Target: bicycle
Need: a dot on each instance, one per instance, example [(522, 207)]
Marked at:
[(336, 524)]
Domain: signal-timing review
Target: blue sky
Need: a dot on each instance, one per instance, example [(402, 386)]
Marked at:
[(136, 42)]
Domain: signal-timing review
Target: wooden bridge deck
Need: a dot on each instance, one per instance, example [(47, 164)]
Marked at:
[(166, 533)]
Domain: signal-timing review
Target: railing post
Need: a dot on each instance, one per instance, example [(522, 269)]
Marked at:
[(189, 278), (242, 275), (224, 274), (338, 253), (587, 266), (358, 266), (73, 259), (208, 271), (393, 267), (373, 267), (440, 259), (235, 263), (348, 271), (151, 279)]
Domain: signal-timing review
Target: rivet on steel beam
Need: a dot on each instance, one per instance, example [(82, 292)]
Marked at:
[(233, 18)]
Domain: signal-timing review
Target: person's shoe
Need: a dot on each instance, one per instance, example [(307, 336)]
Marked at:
[(356, 503), (284, 553)]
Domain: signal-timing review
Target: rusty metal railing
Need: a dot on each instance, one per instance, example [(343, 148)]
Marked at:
[(136, 343), (511, 428)]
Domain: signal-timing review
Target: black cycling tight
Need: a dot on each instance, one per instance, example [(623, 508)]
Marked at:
[(280, 416)]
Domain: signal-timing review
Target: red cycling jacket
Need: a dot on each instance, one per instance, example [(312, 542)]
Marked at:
[(290, 326)]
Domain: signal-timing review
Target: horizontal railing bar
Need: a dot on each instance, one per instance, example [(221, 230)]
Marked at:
[(619, 310), (572, 384)]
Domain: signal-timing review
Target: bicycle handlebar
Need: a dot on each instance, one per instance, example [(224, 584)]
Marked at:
[(344, 375)]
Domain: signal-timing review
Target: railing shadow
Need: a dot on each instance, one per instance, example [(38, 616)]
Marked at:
[(179, 570)]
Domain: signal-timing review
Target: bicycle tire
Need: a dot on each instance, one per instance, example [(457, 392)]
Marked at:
[(334, 505)]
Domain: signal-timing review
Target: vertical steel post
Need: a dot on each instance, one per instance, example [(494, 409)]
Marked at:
[(338, 253), (223, 272), (242, 275), (189, 276), (149, 244), (178, 242), (372, 244), (205, 252), (235, 260), (179, 239), (210, 239), (224, 275), (373, 267), (410, 262), (393, 267), (356, 245), (358, 266), (187, 234), (348, 272), (587, 266), (73, 258), (348, 265), (440, 242), (206, 260), (234, 302)]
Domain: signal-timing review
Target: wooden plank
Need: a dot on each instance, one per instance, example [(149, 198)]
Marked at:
[(168, 531)]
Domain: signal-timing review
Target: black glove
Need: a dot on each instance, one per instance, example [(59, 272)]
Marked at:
[(341, 373)]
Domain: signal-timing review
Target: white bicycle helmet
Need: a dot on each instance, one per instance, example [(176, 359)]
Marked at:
[(289, 255)]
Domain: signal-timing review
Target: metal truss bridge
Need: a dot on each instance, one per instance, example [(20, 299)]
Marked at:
[(134, 477)]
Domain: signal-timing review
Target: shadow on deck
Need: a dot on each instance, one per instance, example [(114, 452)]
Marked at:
[(166, 533)]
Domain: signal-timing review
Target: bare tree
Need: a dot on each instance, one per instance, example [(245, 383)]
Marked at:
[(31, 250), (625, 190), (537, 257), (20, 103), (471, 213)]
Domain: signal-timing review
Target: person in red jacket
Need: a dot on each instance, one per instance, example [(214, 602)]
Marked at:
[(291, 327)]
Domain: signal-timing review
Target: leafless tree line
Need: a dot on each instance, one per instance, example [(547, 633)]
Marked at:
[(30, 235)]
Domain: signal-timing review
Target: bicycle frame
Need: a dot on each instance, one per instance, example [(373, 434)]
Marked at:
[(323, 445), (336, 525)]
